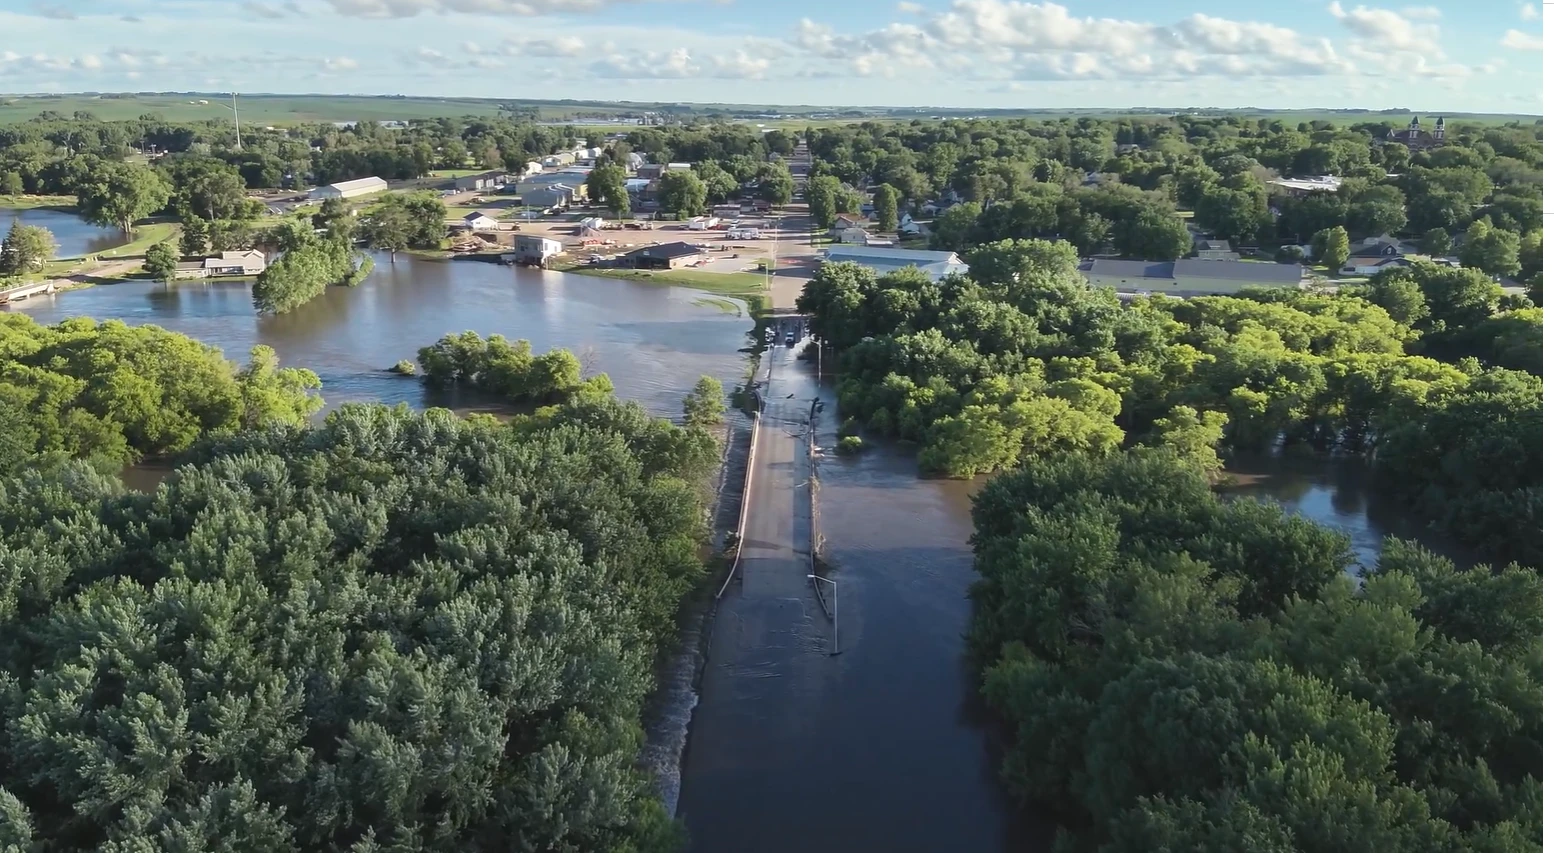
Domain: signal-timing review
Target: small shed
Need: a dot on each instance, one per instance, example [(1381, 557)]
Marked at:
[(480, 222), (665, 256)]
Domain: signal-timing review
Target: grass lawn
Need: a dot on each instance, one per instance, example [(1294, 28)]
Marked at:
[(29, 202), (146, 236), (749, 286), (446, 174)]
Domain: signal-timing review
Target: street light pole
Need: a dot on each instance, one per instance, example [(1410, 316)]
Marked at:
[(836, 615), (235, 127)]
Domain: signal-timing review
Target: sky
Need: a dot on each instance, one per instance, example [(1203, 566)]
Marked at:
[(1452, 55)]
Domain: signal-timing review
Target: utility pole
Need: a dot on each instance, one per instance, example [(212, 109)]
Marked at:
[(235, 128)]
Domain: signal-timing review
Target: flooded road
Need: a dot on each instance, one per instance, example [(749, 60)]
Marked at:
[(74, 235), (879, 747), (653, 341)]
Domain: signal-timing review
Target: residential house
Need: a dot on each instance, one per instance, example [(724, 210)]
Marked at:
[(349, 189), (478, 221), (1215, 250), (534, 249), (482, 181), (650, 171), (664, 256), (1188, 276), (936, 265), (1368, 258), (634, 161), (856, 235), (547, 196), (532, 167), (908, 225), (845, 221), (1371, 266)]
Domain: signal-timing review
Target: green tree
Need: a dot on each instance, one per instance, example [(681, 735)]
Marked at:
[(1494, 250), (120, 194), (682, 194), (885, 199), (387, 229), (1435, 242), (194, 241), (1193, 436), (11, 183), (26, 249), (161, 262), (1233, 215), (1152, 232), (607, 186), (1330, 247), (720, 184), (821, 195), (704, 405), (955, 228), (774, 183)]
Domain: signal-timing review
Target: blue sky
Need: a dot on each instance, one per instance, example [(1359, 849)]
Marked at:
[(1452, 55)]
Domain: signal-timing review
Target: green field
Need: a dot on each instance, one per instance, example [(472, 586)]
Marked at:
[(294, 109)]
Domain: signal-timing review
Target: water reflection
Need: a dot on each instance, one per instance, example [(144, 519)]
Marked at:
[(74, 235), (653, 341)]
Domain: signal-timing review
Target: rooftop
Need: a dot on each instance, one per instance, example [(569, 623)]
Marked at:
[(360, 182), (1288, 274), (871, 253), (665, 251)]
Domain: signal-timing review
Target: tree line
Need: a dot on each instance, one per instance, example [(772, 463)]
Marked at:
[(1182, 672), (392, 630), (1116, 183), (1021, 358)]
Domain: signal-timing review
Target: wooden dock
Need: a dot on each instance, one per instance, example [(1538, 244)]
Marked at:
[(22, 291)]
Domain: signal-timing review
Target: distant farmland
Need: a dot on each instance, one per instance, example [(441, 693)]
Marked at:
[(295, 109)]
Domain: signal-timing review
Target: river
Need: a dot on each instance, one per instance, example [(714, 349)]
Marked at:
[(653, 341), (882, 747), (75, 236)]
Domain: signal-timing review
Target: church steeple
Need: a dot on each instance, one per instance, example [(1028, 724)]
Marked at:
[(1413, 128), (1440, 128)]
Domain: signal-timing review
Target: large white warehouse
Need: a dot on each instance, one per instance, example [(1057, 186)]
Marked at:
[(350, 189)]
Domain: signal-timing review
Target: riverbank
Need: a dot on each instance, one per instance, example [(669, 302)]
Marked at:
[(750, 287), (65, 203)]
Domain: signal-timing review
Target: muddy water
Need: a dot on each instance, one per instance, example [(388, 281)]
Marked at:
[(652, 341), (75, 236)]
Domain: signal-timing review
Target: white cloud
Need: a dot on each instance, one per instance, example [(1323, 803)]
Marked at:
[(1518, 40), (339, 63), (411, 8), (1529, 12), (90, 62), (551, 47), (58, 13), (1422, 13), (263, 10), (677, 64), (1388, 30), (647, 66)]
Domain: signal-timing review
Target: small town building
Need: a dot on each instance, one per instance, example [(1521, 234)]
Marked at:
[(936, 265), (856, 235), (1215, 250), (727, 211), (349, 189), (534, 249), (907, 225), (664, 256), (844, 221), (482, 181), (1188, 276), (1414, 136), (480, 222), (650, 171), (250, 262), (1307, 186), (677, 167), (1373, 255)]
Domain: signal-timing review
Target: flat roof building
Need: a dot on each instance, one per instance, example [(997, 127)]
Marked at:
[(936, 265), (350, 189), (1188, 276), (664, 256)]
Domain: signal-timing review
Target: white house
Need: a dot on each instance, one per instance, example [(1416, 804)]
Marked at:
[(350, 189), (1374, 255), (855, 235), (480, 222), (534, 249), (908, 225), (936, 265)]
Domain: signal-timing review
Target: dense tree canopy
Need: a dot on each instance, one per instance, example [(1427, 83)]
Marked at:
[(1020, 357), (117, 393), (395, 631), (1185, 673)]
